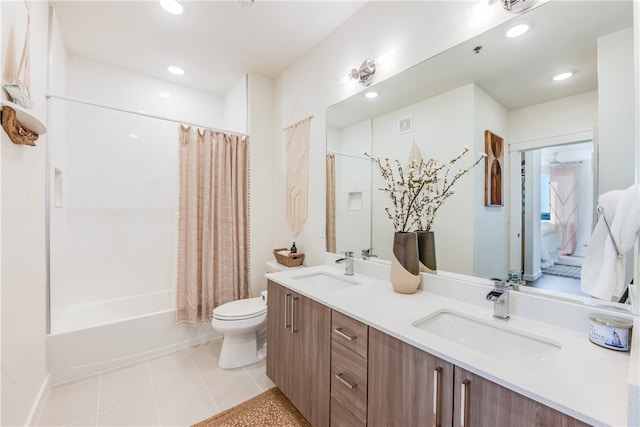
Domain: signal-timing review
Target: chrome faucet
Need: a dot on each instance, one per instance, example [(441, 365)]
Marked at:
[(500, 297), (367, 253), (348, 260)]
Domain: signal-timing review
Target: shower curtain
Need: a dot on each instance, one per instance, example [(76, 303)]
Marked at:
[(213, 237), (331, 203), (563, 182)]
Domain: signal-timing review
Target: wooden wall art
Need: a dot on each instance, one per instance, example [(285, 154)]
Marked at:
[(494, 169)]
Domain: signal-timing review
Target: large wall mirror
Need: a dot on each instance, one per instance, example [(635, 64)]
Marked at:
[(493, 82)]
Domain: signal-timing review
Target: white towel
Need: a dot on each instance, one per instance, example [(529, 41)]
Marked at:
[(603, 272)]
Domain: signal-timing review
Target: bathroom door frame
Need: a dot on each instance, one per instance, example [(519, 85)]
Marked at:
[(515, 151)]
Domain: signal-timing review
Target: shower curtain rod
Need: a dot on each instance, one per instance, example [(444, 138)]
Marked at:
[(152, 116), (347, 155)]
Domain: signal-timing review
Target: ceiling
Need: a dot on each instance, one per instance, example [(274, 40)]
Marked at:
[(216, 42), (515, 72)]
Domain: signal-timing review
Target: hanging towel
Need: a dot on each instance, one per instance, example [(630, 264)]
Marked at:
[(603, 272)]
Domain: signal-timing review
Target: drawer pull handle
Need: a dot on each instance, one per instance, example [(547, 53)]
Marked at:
[(465, 404), (343, 335), (286, 314), (437, 397), (345, 382), (293, 315)]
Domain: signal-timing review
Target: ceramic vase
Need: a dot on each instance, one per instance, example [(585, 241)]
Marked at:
[(405, 265), (427, 251)]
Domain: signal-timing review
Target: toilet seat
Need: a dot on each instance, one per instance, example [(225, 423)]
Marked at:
[(240, 309)]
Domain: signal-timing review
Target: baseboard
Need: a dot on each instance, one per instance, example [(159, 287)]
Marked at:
[(38, 404), (532, 277)]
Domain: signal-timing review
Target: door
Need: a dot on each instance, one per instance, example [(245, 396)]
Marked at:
[(480, 402), (407, 386), (279, 337), (311, 326)]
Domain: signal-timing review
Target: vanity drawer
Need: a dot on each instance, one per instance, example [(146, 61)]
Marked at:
[(349, 379), (341, 416), (349, 333)]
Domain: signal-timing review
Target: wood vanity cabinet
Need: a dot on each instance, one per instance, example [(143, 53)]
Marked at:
[(349, 352), (299, 351), (407, 386), (340, 372), (480, 402)]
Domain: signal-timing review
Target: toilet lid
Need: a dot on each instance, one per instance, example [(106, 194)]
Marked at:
[(240, 309)]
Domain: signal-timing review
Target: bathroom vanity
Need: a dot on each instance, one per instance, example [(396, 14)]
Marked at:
[(348, 351)]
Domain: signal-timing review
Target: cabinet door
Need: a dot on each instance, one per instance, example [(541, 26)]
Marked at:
[(480, 402), (311, 323), (279, 337), (407, 387)]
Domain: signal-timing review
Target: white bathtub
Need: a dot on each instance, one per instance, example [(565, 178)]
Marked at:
[(91, 338)]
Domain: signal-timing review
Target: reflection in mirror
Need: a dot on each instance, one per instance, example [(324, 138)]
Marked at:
[(448, 102), (557, 189)]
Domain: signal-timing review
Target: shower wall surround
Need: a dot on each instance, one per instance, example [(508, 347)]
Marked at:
[(114, 192)]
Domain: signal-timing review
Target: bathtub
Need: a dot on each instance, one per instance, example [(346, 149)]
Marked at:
[(91, 338)]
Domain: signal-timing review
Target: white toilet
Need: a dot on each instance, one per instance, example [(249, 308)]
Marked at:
[(242, 322), (244, 325)]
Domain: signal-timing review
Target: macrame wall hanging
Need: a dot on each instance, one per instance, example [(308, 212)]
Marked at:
[(20, 124), (297, 157)]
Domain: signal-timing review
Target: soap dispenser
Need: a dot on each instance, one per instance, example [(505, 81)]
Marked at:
[(293, 249)]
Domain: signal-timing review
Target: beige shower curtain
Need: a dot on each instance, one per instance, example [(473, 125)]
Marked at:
[(563, 180), (213, 236), (331, 203)]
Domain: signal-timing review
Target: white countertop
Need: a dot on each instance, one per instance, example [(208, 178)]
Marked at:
[(585, 381)]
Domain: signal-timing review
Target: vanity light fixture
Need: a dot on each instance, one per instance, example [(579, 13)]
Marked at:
[(562, 76), (175, 70), (133, 135), (517, 6), (371, 95), (165, 95), (172, 6), (366, 73), (517, 30)]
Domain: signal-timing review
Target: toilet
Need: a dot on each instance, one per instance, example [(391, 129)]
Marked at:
[(242, 322), (244, 325)]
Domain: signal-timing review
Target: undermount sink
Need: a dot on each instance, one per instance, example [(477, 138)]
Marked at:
[(326, 281), (506, 344)]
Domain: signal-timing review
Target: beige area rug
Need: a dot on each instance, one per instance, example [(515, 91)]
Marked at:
[(269, 409)]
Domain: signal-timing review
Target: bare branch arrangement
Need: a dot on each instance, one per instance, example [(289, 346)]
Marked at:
[(418, 189)]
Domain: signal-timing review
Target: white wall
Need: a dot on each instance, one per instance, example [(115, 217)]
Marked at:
[(559, 117), (119, 181), (410, 32), (23, 261), (490, 223), (235, 107), (261, 119), (121, 88), (442, 126), (615, 106), (353, 220)]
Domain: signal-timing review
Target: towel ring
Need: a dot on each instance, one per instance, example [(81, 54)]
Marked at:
[(601, 212)]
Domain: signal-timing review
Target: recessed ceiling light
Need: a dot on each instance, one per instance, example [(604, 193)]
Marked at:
[(517, 30), (371, 95), (171, 6), (133, 135), (562, 76), (175, 70)]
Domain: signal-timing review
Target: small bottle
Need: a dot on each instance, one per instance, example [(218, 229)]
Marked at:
[(293, 249)]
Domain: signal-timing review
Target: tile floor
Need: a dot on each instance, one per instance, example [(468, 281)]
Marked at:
[(179, 389)]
